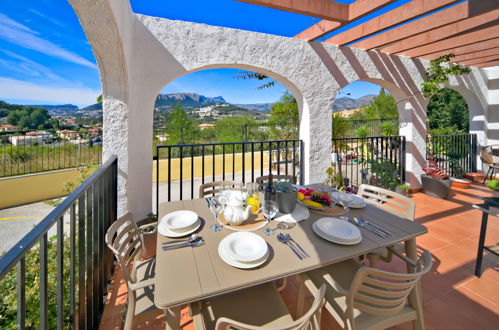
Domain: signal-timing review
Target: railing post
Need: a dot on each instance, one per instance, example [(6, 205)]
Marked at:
[(302, 163), (474, 152)]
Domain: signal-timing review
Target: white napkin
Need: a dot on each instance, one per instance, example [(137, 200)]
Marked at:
[(300, 213)]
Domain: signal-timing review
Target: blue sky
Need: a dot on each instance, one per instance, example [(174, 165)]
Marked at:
[(45, 57)]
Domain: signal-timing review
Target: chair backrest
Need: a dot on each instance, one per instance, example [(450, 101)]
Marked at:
[(213, 188), (262, 181), (124, 239), (380, 292), (490, 154), (388, 200), (311, 320)]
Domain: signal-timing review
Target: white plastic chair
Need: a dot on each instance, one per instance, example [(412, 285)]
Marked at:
[(392, 202), (256, 308), (363, 297)]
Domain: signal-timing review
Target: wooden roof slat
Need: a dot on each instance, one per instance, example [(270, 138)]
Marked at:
[(325, 9), (441, 32), (475, 55), (441, 18), (480, 60), (355, 10), (394, 17), (486, 65), (460, 40), (318, 30), (467, 49)]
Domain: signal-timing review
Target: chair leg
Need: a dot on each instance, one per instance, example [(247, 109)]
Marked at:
[(300, 306), (173, 318), (130, 310), (486, 175)]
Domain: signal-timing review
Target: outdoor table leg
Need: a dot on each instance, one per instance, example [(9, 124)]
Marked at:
[(415, 298), (481, 243), (173, 318)]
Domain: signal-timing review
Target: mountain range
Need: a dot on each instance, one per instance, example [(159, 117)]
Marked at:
[(194, 101)]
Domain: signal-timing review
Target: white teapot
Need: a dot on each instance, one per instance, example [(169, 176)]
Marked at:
[(233, 205)]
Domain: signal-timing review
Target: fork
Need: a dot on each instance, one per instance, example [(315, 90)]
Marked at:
[(284, 240), (289, 238)]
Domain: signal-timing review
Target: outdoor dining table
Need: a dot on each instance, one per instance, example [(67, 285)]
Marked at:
[(188, 275)]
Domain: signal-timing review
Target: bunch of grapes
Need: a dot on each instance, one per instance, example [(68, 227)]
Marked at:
[(322, 199)]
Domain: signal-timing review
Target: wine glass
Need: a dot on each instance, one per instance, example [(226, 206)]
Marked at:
[(345, 200), (216, 210), (269, 212)]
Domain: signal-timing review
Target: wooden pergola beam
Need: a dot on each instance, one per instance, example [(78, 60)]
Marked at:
[(475, 55), (325, 9), (394, 17), (460, 40), (480, 60), (441, 33), (487, 65), (318, 30), (467, 49), (441, 18), (361, 8)]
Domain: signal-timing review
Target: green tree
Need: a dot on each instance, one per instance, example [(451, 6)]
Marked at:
[(284, 118), (438, 74), (448, 112), (99, 99), (13, 118), (340, 126), (181, 128), (382, 106), (234, 129)]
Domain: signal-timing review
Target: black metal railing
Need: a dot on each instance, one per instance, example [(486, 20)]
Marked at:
[(185, 167), (455, 153), (60, 281), (377, 160), (24, 154), (370, 127)]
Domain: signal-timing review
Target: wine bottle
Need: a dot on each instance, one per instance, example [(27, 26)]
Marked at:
[(269, 189)]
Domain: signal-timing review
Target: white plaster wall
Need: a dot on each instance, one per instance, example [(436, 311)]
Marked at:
[(138, 55)]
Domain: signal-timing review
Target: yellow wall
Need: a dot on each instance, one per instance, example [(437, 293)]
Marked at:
[(32, 188), (208, 165)]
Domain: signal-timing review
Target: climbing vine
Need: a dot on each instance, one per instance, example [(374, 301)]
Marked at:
[(438, 75)]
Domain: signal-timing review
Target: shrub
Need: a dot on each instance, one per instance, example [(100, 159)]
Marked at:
[(8, 298)]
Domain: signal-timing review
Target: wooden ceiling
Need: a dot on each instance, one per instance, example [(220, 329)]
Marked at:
[(419, 29)]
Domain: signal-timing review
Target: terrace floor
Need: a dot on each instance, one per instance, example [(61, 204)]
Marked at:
[(453, 297)]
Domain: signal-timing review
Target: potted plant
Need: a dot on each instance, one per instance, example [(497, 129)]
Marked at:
[(458, 180), (494, 185), (435, 181), (149, 231), (285, 197), (403, 189)]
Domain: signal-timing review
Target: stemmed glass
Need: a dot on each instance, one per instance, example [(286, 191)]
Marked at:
[(269, 212), (216, 210), (345, 200)]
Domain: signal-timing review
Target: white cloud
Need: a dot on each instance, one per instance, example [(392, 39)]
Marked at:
[(21, 35), (27, 67), (50, 19), (21, 90)]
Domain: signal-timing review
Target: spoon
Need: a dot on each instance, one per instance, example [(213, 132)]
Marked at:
[(197, 242), (191, 239)]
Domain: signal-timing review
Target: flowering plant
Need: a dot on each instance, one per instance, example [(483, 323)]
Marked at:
[(433, 170)]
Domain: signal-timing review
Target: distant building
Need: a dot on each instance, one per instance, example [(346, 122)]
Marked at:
[(95, 131), (7, 128), (347, 113), (69, 122), (67, 134), (206, 125), (44, 134), (23, 140), (162, 137)]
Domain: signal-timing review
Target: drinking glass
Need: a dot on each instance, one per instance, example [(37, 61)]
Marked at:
[(346, 200), (252, 197), (269, 212), (216, 210)]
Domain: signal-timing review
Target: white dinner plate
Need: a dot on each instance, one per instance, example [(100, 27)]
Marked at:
[(165, 231), (179, 220), (239, 264), (244, 246), (337, 231), (357, 203)]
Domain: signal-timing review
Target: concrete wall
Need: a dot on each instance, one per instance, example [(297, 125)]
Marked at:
[(32, 188), (138, 55)]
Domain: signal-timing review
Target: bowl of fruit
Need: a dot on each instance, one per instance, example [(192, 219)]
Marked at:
[(315, 200)]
